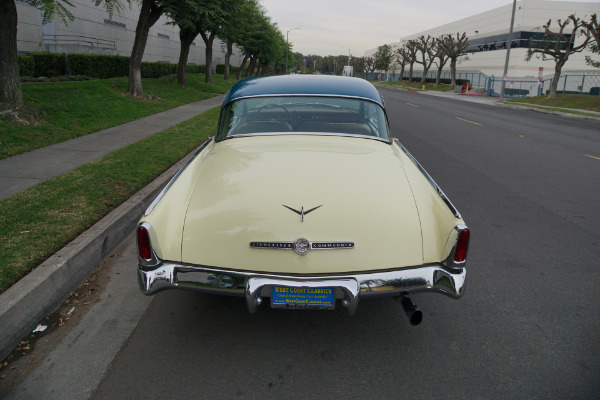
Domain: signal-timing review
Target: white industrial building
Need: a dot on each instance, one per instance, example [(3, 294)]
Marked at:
[(93, 31), (488, 35)]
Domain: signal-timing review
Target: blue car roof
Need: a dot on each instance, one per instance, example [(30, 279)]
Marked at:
[(304, 85)]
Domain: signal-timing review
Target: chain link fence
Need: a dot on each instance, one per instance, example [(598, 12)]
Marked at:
[(571, 83)]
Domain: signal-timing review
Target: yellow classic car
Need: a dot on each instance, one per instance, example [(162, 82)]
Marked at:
[(303, 200)]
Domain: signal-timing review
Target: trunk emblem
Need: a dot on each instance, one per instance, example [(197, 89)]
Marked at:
[(302, 246), (301, 212)]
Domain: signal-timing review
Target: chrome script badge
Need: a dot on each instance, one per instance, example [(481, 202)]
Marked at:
[(302, 246)]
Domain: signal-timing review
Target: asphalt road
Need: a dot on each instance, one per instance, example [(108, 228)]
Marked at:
[(528, 326)]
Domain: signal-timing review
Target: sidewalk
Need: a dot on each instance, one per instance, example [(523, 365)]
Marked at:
[(25, 170), (34, 296)]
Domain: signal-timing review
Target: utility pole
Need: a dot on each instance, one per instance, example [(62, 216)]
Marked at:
[(287, 48), (508, 47)]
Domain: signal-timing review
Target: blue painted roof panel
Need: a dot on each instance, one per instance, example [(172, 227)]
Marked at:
[(303, 85)]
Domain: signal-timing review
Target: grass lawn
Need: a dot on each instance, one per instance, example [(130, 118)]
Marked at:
[(417, 86), (74, 109), (565, 101), (36, 223)]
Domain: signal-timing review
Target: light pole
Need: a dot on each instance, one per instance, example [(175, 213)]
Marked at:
[(287, 48), (509, 45), (348, 55)]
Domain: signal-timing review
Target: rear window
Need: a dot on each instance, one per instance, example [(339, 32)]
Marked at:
[(301, 115)]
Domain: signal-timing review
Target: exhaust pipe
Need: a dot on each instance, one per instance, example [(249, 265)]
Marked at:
[(415, 316)]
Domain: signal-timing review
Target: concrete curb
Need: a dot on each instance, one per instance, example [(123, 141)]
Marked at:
[(36, 295)]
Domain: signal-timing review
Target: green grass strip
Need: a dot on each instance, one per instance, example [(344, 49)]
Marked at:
[(573, 103), (73, 109), (36, 223), (417, 86), (563, 110)]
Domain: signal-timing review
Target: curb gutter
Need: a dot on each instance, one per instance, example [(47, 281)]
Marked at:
[(36, 295)]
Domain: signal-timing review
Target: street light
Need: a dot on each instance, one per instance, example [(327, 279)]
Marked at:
[(287, 48), (348, 54), (510, 35)]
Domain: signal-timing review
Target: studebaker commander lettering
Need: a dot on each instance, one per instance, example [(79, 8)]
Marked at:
[(304, 200)]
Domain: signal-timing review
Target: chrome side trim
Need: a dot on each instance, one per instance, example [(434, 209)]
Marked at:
[(341, 96), (305, 134), (249, 284), (430, 179), (166, 188)]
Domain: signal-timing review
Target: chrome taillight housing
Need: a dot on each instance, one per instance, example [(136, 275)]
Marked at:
[(457, 247), (146, 255), (462, 246), (143, 243)]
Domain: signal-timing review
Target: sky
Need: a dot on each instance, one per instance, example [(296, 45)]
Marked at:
[(332, 27)]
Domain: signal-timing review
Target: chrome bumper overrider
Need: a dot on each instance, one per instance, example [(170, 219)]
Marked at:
[(348, 288)]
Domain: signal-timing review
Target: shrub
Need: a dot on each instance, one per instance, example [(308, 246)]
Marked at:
[(221, 69), (26, 66), (195, 69), (49, 64), (98, 66)]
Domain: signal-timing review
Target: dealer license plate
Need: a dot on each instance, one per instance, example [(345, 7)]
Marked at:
[(303, 297)]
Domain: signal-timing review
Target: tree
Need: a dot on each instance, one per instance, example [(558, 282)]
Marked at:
[(11, 96), (411, 57), (402, 60), (592, 28), (442, 58), (193, 17), (233, 29), (150, 12), (558, 46), (454, 48), (425, 46), (359, 64), (369, 65), (383, 58)]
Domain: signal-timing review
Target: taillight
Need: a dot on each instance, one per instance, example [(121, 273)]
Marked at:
[(462, 246), (143, 242)]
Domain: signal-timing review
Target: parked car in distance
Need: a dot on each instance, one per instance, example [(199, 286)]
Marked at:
[(303, 200)]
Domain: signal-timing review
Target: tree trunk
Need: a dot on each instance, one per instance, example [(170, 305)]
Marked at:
[(424, 77), (453, 72), (439, 75), (557, 71), (242, 65), (186, 37), (227, 58), (149, 14), (401, 77), (410, 73), (208, 41), (11, 96), (250, 68)]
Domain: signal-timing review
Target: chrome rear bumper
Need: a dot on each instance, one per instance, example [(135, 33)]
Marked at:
[(348, 288)]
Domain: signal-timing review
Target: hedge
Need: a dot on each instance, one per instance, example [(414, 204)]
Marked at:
[(221, 69), (26, 66), (92, 65)]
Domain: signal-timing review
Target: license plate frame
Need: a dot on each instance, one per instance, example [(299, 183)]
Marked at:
[(306, 298)]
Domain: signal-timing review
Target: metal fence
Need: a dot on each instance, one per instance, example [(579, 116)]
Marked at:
[(571, 83), (588, 83)]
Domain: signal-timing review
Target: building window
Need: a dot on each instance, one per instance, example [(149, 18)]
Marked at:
[(499, 42), (115, 23)]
